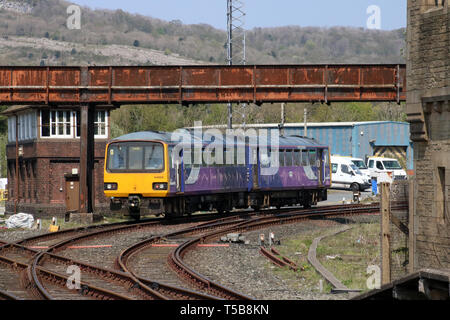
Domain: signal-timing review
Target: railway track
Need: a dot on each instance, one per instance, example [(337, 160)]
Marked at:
[(277, 259), (175, 258), (43, 272)]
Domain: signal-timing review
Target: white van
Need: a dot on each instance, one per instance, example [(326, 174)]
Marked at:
[(379, 165), (359, 163), (347, 175)]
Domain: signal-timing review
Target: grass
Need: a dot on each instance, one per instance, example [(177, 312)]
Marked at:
[(355, 250), (306, 278)]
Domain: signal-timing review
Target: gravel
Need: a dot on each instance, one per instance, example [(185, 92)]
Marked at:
[(242, 268)]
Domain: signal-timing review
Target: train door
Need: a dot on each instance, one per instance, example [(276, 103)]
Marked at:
[(255, 168), (321, 164), (179, 173)]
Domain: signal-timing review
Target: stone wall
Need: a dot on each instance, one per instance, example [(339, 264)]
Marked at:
[(428, 109)]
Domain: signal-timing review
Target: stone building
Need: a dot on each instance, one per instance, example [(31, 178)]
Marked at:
[(428, 109), (48, 149)]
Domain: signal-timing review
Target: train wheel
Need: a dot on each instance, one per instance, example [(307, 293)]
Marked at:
[(135, 213)]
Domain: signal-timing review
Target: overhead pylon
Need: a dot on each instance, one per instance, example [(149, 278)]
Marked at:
[(236, 47)]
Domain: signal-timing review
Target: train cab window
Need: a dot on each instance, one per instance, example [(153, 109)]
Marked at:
[(135, 156), (305, 158), (297, 158), (117, 156), (281, 155), (289, 160), (371, 162), (154, 157)]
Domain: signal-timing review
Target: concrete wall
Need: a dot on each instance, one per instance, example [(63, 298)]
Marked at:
[(428, 109)]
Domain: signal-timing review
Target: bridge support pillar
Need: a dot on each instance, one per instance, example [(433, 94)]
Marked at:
[(87, 142)]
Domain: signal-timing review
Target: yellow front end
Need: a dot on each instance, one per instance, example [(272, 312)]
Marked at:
[(145, 184)]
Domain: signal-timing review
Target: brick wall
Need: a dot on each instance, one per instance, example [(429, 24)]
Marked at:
[(428, 109), (42, 176)]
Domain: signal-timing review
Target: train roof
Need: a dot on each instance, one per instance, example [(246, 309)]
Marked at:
[(284, 141)]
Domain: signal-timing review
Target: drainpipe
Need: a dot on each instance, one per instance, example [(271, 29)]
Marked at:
[(16, 202)]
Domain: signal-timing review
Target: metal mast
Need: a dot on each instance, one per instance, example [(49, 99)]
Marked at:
[(236, 42)]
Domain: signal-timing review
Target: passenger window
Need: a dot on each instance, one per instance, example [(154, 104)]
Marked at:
[(281, 155), (297, 158), (305, 158), (334, 168), (380, 165), (371, 163), (289, 162), (312, 157)]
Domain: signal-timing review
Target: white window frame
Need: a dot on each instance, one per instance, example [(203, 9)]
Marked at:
[(51, 122), (96, 122), (73, 124)]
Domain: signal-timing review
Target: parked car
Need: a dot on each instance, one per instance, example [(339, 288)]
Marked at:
[(380, 165), (345, 174)]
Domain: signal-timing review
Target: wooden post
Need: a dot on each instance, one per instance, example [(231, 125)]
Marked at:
[(385, 234)]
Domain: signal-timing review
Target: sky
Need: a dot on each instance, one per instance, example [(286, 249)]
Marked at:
[(266, 13)]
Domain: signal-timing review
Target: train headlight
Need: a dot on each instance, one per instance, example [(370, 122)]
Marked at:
[(160, 186), (110, 186)]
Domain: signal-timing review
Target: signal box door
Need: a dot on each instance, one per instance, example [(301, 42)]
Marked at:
[(72, 194)]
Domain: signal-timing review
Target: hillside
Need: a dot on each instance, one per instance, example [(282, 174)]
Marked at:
[(34, 32)]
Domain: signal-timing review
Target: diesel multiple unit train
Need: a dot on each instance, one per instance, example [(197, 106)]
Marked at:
[(148, 173)]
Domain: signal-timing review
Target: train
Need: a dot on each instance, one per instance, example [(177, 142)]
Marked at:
[(148, 173)]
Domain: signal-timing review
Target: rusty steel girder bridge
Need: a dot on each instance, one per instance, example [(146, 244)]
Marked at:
[(108, 85)]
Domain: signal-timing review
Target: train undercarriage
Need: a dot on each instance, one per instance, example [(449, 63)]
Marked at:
[(137, 206)]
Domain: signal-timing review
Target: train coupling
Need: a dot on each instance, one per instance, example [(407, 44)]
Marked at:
[(134, 202)]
